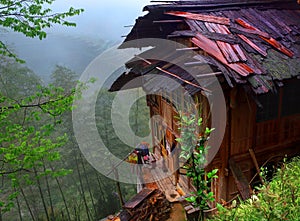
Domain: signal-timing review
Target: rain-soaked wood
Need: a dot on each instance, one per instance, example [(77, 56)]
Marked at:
[(240, 180), (253, 45), (201, 17), (211, 48)]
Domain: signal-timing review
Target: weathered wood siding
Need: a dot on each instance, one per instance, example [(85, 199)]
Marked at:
[(270, 140)]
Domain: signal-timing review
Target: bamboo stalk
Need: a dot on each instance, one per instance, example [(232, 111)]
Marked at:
[(49, 193), (82, 189), (62, 195), (27, 203), (88, 185), (19, 207), (41, 193)]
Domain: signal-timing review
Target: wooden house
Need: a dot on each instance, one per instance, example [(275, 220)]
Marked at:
[(253, 49)]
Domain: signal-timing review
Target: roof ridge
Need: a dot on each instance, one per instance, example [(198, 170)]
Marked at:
[(204, 4), (214, 2), (230, 1)]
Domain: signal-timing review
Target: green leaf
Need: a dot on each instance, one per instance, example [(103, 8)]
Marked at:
[(32, 18), (200, 121), (191, 199)]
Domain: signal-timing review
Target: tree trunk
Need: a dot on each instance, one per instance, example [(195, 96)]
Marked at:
[(82, 188), (88, 185), (52, 215), (62, 195), (19, 208), (27, 204), (41, 193)]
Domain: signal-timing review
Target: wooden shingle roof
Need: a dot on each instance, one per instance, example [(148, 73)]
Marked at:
[(255, 43)]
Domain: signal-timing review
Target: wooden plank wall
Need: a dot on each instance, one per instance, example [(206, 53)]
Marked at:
[(242, 123), (268, 139), (267, 133), (290, 128)]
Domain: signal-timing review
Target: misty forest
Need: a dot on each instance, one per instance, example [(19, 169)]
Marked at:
[(43, 173), (221, 112)]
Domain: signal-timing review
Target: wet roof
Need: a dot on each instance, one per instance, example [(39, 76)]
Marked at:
[(254, 43)]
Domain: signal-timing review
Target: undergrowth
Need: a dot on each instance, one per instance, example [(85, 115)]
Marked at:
[(278, 199)]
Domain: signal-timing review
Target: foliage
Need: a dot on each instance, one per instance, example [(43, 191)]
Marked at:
[(38, 149), (277, 200), (37, 144), (43, 192), (30, 147), (31, 18), (16, 81), (25, 139), (63, 77), (194, 150)]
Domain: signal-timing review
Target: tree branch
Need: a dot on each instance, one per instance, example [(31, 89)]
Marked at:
[(8, 52), (39, 104), (14, 171), (15, 3)]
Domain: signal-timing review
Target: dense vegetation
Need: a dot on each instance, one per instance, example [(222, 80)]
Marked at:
[(278, 199), (43, 173)]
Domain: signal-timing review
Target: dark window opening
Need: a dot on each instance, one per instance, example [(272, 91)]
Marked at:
[(291, 99), (269, 107)]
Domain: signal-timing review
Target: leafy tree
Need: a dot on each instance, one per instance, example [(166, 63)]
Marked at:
[(194, 151), (82, 195), (30, 147), (64, 77), (26, 141), (31, 18), (95, 193)]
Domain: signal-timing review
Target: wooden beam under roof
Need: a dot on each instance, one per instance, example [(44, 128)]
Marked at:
[(168, 21), (200, 17)]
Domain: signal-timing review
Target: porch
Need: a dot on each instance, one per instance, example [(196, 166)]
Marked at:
[(159, 177)]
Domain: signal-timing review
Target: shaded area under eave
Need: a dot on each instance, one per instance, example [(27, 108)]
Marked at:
[(163, 76)]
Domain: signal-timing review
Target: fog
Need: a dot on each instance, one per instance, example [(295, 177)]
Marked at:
[(103, 18), (101, 25)]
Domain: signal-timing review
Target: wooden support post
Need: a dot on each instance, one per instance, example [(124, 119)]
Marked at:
[(256, 164), (118, 187)]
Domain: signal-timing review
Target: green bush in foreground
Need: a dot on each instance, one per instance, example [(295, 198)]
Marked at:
[(277, 200)]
